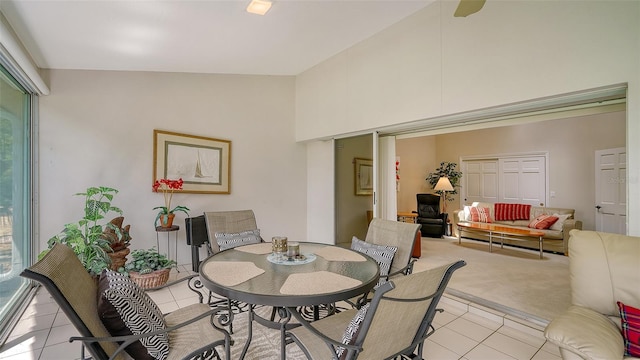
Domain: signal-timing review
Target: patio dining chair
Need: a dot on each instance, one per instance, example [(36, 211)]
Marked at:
[(201, 230), (191, 332), (398, 234), (391, 244), (394, 324), (234, 225), (228, 222)]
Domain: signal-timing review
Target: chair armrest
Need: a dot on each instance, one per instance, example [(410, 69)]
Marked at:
[(129, 339), (404, 271), (171, 283), (193, 285), (332, 343), (586, 333)]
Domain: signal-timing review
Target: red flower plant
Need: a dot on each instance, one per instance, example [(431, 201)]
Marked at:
[(168, 186)]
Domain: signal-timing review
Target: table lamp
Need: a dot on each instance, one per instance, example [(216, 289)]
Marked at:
[(444, 185)]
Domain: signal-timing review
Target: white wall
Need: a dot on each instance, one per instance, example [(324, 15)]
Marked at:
[(321, 192), (417, 159), (432, 64), (96, 128)]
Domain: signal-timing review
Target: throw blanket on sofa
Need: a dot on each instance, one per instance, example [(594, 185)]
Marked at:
[(511, 212)]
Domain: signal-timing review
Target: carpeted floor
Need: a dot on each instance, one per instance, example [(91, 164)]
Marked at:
[(511, 280)]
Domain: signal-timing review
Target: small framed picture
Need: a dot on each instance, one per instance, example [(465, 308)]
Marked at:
[(363, 175), (203, 163)]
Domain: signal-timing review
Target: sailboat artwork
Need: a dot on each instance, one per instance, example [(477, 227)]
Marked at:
[(194, 164), (199, 173), (202, 163)]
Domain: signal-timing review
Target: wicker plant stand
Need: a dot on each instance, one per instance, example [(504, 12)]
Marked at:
[(146, 281)]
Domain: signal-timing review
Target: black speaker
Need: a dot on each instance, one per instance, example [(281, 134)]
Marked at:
[(196, 229)]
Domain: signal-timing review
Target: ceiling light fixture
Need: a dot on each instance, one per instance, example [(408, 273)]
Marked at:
[(259, 7)]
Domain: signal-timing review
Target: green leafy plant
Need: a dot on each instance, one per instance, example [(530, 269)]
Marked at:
[(447, 169), (146, 261), (86, 236)]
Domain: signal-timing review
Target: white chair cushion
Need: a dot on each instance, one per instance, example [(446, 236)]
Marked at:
[(230, 240)]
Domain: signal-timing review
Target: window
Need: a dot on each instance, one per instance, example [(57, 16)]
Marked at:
[(15, 195)]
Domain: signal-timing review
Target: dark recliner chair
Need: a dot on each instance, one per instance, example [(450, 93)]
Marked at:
[(434, 223)]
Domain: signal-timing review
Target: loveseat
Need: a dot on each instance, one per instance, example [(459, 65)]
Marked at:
[(605, 281), (555, 239)]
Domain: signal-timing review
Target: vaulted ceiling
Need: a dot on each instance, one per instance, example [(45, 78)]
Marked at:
[(206, 36)]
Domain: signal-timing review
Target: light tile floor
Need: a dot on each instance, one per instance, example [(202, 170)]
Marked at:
[(463, 331)]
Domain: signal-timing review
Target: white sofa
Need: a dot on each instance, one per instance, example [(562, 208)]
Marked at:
[(604, 269), (553, 240)]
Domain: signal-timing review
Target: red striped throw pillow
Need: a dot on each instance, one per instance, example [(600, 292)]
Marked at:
[(630, 319), (511, 212), (480, 215), (543, 221)]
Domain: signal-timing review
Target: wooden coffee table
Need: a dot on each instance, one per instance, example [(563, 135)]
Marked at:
[(499, 232)]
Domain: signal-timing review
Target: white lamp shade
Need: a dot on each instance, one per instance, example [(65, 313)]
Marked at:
[(443, 184)]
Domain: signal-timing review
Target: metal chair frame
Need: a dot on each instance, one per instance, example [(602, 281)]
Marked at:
[(425, 328), (88, 338)]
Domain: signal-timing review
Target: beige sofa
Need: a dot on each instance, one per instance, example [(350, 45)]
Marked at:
[(604, 268), (553, 240)]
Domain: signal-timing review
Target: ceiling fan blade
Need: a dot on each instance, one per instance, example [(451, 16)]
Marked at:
[(468, 7)]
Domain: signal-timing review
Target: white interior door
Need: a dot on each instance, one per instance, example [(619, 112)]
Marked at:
[(611, 190), (506, 178), (523, 180), (480, 181)]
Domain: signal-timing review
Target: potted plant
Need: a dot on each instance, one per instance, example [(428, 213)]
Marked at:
[(148, 268), (119, 239), (86, 237), (447, 169), (166, 214)]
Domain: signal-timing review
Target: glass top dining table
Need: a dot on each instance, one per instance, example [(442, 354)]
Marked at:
[(324, 274)]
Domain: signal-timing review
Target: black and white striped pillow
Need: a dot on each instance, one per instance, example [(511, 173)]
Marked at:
[(231, 240), (126, 309), (382, 254), (351, 332)]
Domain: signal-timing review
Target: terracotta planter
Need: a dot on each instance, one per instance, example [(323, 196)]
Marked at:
[(166, 220), (118, 258)]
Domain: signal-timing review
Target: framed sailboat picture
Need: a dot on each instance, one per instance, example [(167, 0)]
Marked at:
[(201, 162)]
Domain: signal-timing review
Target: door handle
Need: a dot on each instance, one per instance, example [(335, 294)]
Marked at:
[(598, 207)]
